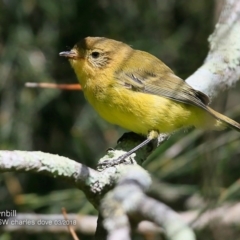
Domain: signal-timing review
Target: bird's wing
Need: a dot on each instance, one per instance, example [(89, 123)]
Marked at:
[(165, 84)]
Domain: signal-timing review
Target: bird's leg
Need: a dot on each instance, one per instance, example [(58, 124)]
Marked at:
[(108, 163)]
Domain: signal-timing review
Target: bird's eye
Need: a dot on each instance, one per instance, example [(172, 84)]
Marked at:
[(95, 54)]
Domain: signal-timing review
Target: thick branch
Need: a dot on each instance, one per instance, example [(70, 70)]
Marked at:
[(221, 69), (127, 203), (93, 183), (45, 163)]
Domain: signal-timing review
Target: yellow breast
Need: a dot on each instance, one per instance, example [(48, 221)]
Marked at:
[(141, 112)]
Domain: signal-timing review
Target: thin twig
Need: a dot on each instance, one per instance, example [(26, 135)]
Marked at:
[(70, 228)]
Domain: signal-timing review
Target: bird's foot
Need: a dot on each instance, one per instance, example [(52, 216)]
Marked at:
[(123, 159)]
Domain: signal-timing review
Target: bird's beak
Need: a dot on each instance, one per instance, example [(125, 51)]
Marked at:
[(69, 54)]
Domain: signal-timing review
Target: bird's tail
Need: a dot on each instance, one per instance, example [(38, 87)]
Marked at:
[(223, 121)]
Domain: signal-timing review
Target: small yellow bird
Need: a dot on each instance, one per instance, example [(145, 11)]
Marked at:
[(135, 90)]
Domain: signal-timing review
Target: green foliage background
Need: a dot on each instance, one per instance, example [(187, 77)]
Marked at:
[(190, 166)]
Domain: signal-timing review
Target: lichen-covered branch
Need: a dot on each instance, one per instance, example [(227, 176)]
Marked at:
[(127, 204), (221, 69), (94, 184), (49, 164), (159, 213), (131, 180)]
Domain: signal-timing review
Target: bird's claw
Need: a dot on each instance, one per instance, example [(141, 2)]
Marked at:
[(112, 162)]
